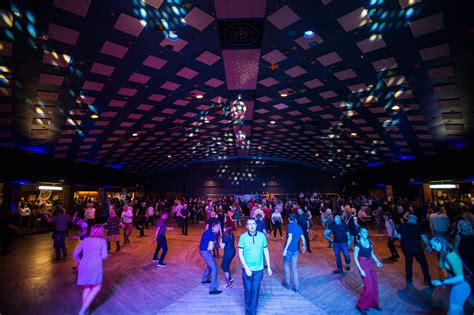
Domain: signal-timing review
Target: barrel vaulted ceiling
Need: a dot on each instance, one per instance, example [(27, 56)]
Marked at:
[(148, 85)]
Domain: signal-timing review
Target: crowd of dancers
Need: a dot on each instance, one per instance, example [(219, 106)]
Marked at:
[(345, 228)]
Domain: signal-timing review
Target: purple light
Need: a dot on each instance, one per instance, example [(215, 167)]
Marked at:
[(407, 157), (373, 164)]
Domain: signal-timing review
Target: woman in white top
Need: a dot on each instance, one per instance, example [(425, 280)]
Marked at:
[(127, 220)]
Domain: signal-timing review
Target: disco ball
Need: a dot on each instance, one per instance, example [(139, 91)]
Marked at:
[(237, 110)]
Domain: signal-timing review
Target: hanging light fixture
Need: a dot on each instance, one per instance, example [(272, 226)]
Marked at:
[(237, 110)]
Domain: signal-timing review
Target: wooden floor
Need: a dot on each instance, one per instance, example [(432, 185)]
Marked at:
[(31, 283)]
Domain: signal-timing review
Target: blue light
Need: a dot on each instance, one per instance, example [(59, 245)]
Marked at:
[(117, 166), (172, 35), (22, 182), (460, 145), (380, 185), (34, 149), (309, 34), (409, 13), (407, 157), (373, 164), (415, 183)]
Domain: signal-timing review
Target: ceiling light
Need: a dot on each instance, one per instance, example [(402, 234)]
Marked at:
[(134, 134), (172, 35), (284, 94), (94, 116), (444, 186), (396, 107), (272, 122), (317, 154), (50, 188), (309, 34), (353, 134), (199, 96), (169, 156), (259, 147)]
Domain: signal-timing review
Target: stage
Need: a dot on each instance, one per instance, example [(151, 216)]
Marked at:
[(32, 283)]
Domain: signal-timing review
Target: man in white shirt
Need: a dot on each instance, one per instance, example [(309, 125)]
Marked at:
[(439, 223), (127, 220)]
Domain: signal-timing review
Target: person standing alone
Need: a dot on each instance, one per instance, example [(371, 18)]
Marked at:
[(208, 241), (160, 239), (290, 252), (253, 247)]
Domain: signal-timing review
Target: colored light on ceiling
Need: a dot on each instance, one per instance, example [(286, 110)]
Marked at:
[(134, 134), (309, 34), (172, 35), (373, 164), (407, 157), (272, 122), (199, 96), (396, 107), (283, 94), (94, 116), (354, 134)]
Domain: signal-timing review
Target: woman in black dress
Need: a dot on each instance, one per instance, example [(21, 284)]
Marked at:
[(227, 244)]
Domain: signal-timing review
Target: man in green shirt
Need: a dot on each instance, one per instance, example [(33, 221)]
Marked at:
[(252, 247)]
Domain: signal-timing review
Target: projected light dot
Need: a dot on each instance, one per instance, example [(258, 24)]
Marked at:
[(309, 34), (172, 35)]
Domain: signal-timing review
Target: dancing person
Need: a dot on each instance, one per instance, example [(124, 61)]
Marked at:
[(89, 215), (213, 219), (237, 213), (89, 255), (141, 218), (341, 242), (276, 221), (261, 225), (228, 246), (290, 252), (439, 223), (303, 221), (127, 220), (60, 222), (410, 236), (453, 265), (229, 220), (113, 228), (183, 216), (464, 243), (253, 247), (83, 226), (364, 258), (160, 239), (391, 236), (326, 220), (206, 245), (150, 215), (352, 225)]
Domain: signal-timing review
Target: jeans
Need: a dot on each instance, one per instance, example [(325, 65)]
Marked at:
[(211, 269), (161, 244), (237, 220), (291, 257), (184, 226), (276, 226), (251, 290), (338, 247), (420, 257), (60, 243)]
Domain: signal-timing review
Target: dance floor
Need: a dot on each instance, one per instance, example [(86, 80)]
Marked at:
[(32, 283)]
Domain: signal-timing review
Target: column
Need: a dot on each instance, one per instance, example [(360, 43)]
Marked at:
[(425, 193), (389, 192)]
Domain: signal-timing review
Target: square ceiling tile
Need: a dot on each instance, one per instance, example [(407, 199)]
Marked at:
[(446, 91), (307, 43), (181, 102), (139, 78), (315, 108), (345, 74), (440, 73), (394, 81), (427, 25), (51, 79), (261, 111), (129, 25), (403, 94), (329, 59), (62, 34), (270, 81), (264, 99), (302, 100), (372, 43), (238, 9), (213, 82), (135, 116), (83, 99), (294, 113), (79, 7), (154, 62), (280, 106), (312, 84), (47, 96), (295, 71), (354, 19), (175, 45), (241, 68), (126, 91), (384, 64), (208, 58), (156, 97), (154, 3), (92, 86), (406, 3), (198, 19), (145, 107), (172, 86), (102, 69), (190, 115), (168, 111), (358, 88), (327, 94), (109, 114), (435, 52), (275, 56), (113, 49), (218, 99), (283, 17), (187, 73), (117, 103)]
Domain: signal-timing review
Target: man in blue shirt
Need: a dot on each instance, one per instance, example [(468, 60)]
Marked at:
[(341, 242), (252, 247), (208, 241), (290, 252)]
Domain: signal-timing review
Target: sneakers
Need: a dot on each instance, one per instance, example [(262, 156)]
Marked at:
[(207, 281), (297, 291), (348, 267), (286, 286), (155, 260), (231, 280), (337, 271), (227, 286), (215, 292), (162, 265), (362, 311)]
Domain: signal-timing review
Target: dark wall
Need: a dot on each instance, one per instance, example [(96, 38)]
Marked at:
[(227, 178)]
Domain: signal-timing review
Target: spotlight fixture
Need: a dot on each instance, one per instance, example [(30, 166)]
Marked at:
[(169, 156), (272, 122), (395, 108), (284, 94), (134, 134), (309, 34), (172, 35), (94, 116), (353, 134), (199, 96)]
